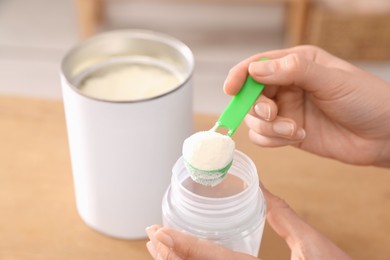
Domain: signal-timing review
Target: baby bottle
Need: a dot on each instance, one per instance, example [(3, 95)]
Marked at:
[(231, 214)]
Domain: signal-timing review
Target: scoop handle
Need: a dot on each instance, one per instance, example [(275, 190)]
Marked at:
[(240, 105)]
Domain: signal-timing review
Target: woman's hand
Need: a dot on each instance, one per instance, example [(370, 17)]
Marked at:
[(304, 241), (318, 103)]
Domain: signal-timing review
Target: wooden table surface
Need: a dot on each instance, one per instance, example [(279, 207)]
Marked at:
[(38, 218)]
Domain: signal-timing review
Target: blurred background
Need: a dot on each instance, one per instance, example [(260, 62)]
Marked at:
[(35, 35)]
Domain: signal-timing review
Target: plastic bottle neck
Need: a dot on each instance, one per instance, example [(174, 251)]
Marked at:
[(218, 206)]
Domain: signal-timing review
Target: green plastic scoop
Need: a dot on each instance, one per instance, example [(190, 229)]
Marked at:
[(231, 119), (239, 106)]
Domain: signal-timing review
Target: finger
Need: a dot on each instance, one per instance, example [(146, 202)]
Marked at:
[(281, 127), (237, 75), (265, 141), (296, 70), (305, 71), (186, 246), (283, 220), (264, 108), (151, 231), (303, 240), (166, 253), (151, 248)]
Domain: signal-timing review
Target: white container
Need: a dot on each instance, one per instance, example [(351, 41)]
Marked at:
[(122, 152), (231, 214)]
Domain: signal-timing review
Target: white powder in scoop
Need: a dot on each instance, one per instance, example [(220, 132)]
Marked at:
[(132, 82), (208, 150)]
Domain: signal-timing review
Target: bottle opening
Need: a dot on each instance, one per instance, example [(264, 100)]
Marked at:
[(230, 186), (238, 186)]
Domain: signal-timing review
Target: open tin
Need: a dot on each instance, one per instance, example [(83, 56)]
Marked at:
[(122, 151)]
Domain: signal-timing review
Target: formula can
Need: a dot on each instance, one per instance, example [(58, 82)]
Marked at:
[(122, 149)]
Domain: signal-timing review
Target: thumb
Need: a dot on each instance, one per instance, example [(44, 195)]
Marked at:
[(296, 70), (304, 241), (283, 220), (174, 244)]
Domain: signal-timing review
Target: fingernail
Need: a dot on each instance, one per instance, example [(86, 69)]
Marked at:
[(301, 133), (165, 239), (262, 68), (263, 110), (151, 248), (150, 231), (283, 128)]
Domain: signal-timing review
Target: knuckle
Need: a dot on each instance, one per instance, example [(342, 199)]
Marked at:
[(292, 63), (261, 140), (295, 66), (310, 48), (307, 49), (259, 128)]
